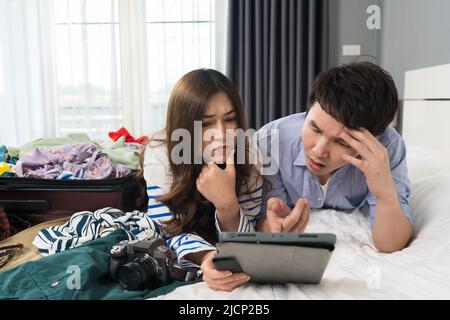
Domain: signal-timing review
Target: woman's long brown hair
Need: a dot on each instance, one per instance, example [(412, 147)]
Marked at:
[(188, 102)]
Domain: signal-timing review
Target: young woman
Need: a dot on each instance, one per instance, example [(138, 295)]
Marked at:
[(196, 188)]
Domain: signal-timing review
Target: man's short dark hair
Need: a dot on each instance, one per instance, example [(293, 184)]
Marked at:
[(358, 95)]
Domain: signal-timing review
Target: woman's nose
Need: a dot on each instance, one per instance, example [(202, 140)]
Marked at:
[(220, 131)]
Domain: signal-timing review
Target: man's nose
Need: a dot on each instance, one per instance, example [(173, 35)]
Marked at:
[(321, 148)]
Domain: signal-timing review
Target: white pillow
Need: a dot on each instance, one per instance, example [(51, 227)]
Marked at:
[(423, 161), (429, 172)]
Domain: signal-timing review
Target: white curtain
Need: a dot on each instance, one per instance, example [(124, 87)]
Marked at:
[(26, 108), (134, 63), (95, 65)]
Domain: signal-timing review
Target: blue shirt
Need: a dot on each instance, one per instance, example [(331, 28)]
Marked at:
[(347, 187)]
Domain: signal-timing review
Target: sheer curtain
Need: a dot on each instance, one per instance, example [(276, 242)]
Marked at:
[(96, 65), (26, 108), (181, 36)]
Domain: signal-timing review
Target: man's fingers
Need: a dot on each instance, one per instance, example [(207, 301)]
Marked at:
[(359, 147), (358, 163), (303, 221), (362, 138), (292, 219), (274, 221), (272, 202), (274, 215), (301, 225), (278, 206), (368, 138)]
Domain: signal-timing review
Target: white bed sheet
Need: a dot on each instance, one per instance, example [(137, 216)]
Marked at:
[(356, 269)]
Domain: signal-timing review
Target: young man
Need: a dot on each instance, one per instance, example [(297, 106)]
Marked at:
[(342, 154)]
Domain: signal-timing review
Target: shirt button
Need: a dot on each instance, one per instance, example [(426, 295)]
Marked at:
[(320, 199)]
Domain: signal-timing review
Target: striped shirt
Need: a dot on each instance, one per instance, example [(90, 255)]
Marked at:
[(85, 226), (159, 180)]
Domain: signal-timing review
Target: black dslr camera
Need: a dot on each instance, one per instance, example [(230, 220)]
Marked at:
[(148, 264)]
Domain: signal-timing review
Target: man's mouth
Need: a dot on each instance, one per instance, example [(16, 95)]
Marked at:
[(316, 165)]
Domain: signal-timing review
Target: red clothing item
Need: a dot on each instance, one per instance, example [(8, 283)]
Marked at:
[(122, 132)]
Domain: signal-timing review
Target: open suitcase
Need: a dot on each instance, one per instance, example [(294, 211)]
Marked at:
[(40, 200)]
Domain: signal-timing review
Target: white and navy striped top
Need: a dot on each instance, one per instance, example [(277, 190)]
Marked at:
[(159, 179)]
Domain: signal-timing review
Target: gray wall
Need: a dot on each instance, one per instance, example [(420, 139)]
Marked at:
[(414, 34), (348, 26)]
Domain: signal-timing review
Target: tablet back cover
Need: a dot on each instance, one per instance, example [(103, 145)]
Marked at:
[(267, 263)]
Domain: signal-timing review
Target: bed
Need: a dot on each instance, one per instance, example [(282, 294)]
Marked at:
[(356, 269)]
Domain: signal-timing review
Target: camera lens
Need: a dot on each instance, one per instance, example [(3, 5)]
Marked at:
[(139, 274)]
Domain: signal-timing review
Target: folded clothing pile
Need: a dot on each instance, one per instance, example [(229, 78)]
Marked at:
[(71, 157), (7, 162), (79, 161)]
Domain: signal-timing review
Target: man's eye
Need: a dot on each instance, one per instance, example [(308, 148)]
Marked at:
[(343, 144)]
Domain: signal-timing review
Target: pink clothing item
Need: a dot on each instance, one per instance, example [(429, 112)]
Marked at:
[(83, 161)]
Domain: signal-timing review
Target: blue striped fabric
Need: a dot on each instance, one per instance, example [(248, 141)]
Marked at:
[(85, 226), (159, 182), (250, 203)]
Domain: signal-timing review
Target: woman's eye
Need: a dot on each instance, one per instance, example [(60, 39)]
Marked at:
[(206, 124), (230, 120)]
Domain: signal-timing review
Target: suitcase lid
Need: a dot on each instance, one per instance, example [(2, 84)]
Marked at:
[(16, 183)]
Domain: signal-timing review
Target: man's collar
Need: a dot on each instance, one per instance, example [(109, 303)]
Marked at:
[(300, 160)]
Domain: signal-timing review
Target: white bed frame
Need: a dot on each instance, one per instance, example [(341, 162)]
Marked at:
[(426, 108)]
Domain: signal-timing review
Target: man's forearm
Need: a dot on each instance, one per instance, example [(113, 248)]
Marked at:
[(392, 230)]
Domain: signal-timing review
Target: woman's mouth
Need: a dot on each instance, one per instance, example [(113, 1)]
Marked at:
[(222, 149)]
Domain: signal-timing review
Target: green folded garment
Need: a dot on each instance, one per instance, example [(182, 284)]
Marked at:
[(73, 138), (55, 277)]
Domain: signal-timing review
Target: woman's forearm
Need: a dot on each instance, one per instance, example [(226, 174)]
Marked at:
[(230, 217)]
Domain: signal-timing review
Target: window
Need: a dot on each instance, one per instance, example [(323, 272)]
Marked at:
[(90, 67), (87, 53), (180, 38)]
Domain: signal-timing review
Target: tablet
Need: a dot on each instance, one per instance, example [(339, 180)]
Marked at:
[(275, 258)]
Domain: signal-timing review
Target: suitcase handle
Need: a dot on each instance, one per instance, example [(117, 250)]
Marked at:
[(25, 205)]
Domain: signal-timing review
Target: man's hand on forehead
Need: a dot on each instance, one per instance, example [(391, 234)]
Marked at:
[(362, 139), (373, 161)]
